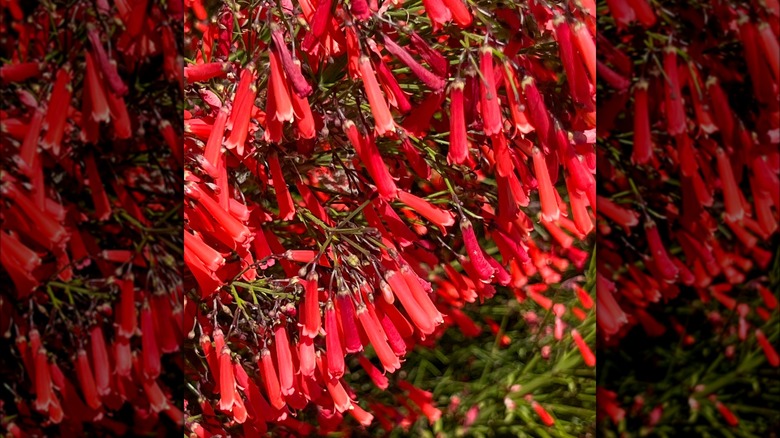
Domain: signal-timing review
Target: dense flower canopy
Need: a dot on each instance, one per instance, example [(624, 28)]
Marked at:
[(357, 175), (689, 198)]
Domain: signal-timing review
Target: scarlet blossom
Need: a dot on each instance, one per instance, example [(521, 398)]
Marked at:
[(490, 105), (382, 118), (333, 348), (769, 351), (547, 419), (729, 416), (547, 195), (460, 13), (438, 12)]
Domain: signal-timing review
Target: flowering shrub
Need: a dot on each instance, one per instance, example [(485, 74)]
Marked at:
[(688, 216), (91, 305), (356, 175)]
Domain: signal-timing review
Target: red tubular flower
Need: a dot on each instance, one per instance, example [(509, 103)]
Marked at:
[(346, 316), (205, 71), (363, 417), (434, 58), (490, 105), (284, 360), (675, 111), (503, 157), (460, 13), (585, 351), (333, 349), (440, 217), (769, 350), (246, 79), (213, 149), (210, 257), (243, 114), (97, 190), (227, 381), (291, 68), (421, 295), (20, 72), (419, 121), (516, 99), (97, 95), (438, 12), (547, 193), (766, 178), (207, 280), (770, 301), (622, 216), (270, 379), (731, 192), (126, 313), (360, 9), (537, 110), (149, 348), (622, 11), (721, 110), (29, 149), (579, 209), (281, 93), (429, 79), (166, 130), (100, 363), (353, 52), (762, 201), (643, 143), (307, 356), (610, 317), (56, 113), (584, 297), (283, 197), (122, 357), (341, 399), (458, 152), (658, 253), (770, 48), (304, 119), (154, 395), (644, 12), (397, 96), (384, 311), (376, 336), (587, 48), (311, 307), (373, 372), (729, 416), (322, 16), (613, 78), (26, 258), (383, 120), (369, 155), (236, 230), (418, 316), (700, 105), (108, 67), (423, 400), (578, 83), (44, 391), (545, 416), (474, 251)]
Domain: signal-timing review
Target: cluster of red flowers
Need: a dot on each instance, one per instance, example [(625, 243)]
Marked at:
[(91, 300), (689, 194), (343, 163)]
